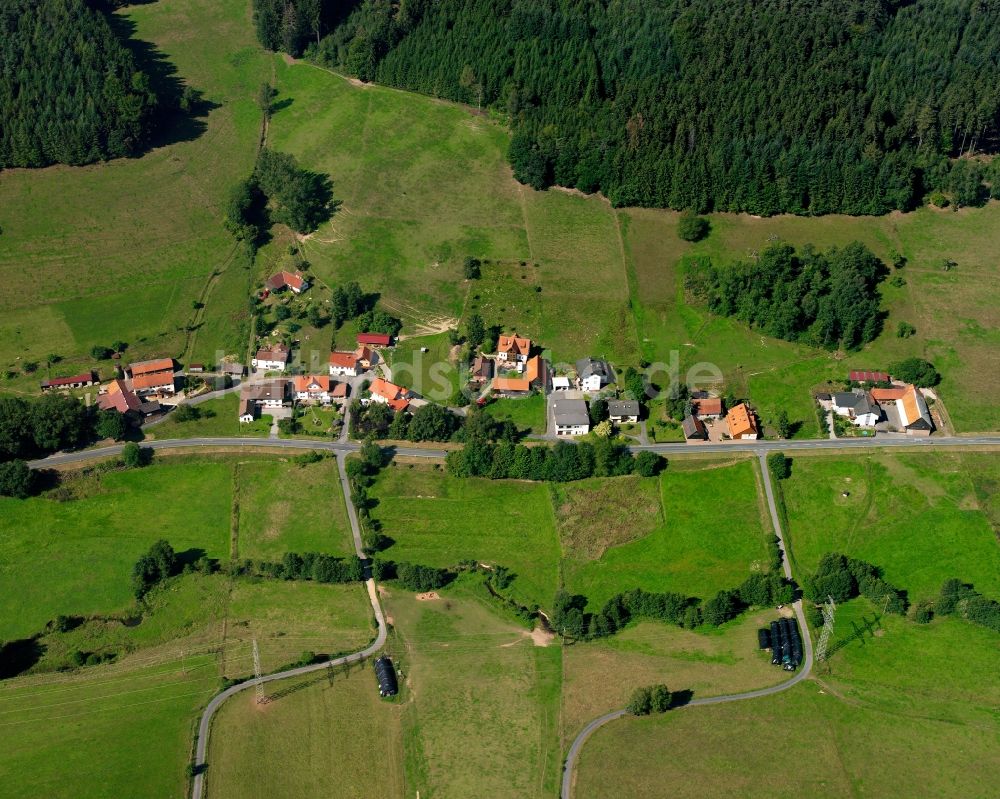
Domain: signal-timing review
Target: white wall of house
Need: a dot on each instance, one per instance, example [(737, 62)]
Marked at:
[(321, 397), (624, 419), (269, 366), (246, 418), (591, 383), (572, 430), (341, 371)]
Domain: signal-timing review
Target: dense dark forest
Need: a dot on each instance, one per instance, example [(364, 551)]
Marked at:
[(70, 92), (805, 106)]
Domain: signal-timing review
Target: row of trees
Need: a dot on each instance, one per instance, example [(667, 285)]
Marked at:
[(70, 92), (962, 599), (570, 619), (827, 299), (563, 462), (315, 566), (843, 578), (412, 576), (761, 106)]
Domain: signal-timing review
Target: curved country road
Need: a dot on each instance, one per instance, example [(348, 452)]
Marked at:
[(801, 674)]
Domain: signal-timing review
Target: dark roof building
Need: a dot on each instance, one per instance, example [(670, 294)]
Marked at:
[(386, 674), (623, 409), (694, 428), (589, 368)]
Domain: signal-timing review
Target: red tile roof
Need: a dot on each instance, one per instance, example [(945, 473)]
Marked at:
[(378, 339), (280, 280), (150, 367), (531, 370), (864, 376), (312, 383), (344, 360), (339, 390), (709, 406), (276, 352), (118, 398), (741, 421), (385, 389), (513, 345), (154, 380)]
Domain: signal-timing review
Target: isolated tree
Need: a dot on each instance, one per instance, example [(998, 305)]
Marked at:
[(372, 455), (641, 702), (648, 464), (470, 268), (692, 227), (779, 465), (659, 698), (782, 426)]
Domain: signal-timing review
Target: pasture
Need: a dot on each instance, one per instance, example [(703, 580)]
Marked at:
[(481, 702), (318, 736), (707, 534), (919, 516), (527, 413), (438, 520), (217, 417)]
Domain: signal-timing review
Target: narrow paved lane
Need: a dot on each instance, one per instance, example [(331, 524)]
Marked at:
[(574, 750)]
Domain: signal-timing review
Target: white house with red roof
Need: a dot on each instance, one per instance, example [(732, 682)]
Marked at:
[(317, 389), (389, 394), (282, 280), (273, 358), (344, 364), (513, 351)]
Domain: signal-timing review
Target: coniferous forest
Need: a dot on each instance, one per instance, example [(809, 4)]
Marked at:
[(70, 92), (763, 106)]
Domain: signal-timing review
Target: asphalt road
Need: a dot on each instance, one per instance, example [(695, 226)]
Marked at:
[(800, 674), (342, 446)]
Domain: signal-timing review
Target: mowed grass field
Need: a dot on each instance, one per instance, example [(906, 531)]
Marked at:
[(480, 701), (803, 742), (320, 735), (707, 534), (119, 251), (438, 520), (923, 517)]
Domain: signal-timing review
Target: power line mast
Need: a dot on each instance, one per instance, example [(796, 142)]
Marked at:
[(824, 637), (261, 697)]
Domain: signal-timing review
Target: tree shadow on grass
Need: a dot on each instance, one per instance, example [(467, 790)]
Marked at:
[(170, 124), (16, 657)]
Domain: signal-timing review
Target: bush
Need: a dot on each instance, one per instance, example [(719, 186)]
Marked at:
[(692, 227), (133, 455), (779, 465), (101, 353), (917, 371), (186, 413), (640, 703), (16, 480), (905, 330), (923, 612), (649, 464), (470, 268)]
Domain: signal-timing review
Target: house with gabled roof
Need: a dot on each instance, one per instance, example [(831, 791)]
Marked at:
[(396, 397), (694, 429), (76, 381), (623, 411), (858, 406), (273, 358), (316, 389), (282, 280), (741, 422), (343, 364), (513, 350), (118, 397), (374, 339), (570, 417), (594, 374), (533, 377), (910, 406), (155, 366), (154, 383)]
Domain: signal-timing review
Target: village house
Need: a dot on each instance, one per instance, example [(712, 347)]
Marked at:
[(317, 389), (268, 394), (160, 383), (570, 417), (366, 357), (694, 429), (343, 364), (118, 397), (741, 422), (481, 370), (387, 393), (858, 406), (513, 352), (532, 377), (65, 383), (909, 405), (705, 407), (374, 339), (272, 359), (623, 411), (594, 374), (280, 281)]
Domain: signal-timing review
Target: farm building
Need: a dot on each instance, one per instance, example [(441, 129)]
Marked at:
[(375, 339), (864, 376), (153, 383), (706, 407), (386, 674), (76, 381), (694, 429), (156, 366), (909, 405)]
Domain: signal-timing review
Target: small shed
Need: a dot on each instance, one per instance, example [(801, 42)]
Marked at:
[(386, 674)]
